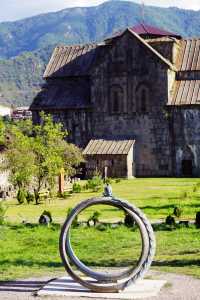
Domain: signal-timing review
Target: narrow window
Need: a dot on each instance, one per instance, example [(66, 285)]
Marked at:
[(115, 102), (143, 101)]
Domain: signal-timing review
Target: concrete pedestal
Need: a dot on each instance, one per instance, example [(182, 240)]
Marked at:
[(65, 286)]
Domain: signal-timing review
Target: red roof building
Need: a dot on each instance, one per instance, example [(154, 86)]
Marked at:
[(148, 32)]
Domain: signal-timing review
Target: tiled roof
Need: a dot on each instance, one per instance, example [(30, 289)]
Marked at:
[(186, 92), (189, 55), (186, 89), (105, 147), (145, 29), (148, 31), (70, 94)]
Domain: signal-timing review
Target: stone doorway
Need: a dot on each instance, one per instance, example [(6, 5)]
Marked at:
[(187, 168)]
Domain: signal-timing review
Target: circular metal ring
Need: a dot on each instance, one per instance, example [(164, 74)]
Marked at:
[(104, 276), (129, 276)]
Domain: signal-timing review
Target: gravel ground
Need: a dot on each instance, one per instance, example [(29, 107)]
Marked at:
[(178, 287)]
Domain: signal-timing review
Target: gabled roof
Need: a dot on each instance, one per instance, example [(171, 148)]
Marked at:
[(162, 58), (77, 60), (107, 147), (145, 29)]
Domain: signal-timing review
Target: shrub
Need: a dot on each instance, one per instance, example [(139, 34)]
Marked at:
[(45, 218), (21, 196), (196, 187), (30, 197), (95, 184), (117, 180), (94, 218), (75, 221), (128, 220), (197, 220), (170, 221), (76, 188), (101, 227), (177, 211), (3, 209)]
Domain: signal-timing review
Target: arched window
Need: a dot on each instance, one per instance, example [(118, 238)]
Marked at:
[(142, 98), (115, 102), (143, 104), (116, 99)]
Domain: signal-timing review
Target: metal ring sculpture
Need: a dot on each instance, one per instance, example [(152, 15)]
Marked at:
[(103, 282)]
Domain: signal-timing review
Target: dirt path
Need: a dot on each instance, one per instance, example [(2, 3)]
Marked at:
[(179, 287)]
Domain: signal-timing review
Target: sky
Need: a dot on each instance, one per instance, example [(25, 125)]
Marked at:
[(18, 9)]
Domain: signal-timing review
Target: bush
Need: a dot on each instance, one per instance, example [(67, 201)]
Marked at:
[(197, 220), (118, 180), (3, 209), (177, 211), (128, 220), (45, 218), (21, 196), (30, 197), (94, 218), (170, 221), (196, 187), (102, 227), (76, 188), (95, 184)]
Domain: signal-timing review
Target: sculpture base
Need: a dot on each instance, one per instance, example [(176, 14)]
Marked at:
[(65, 286)]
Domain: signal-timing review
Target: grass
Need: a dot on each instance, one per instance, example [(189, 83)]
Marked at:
[(33, 250), (27, 251), (155, 196)]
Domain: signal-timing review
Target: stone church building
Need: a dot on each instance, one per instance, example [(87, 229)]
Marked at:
[(132, 102)]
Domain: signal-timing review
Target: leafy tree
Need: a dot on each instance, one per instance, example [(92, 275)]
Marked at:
[(36, 154), (52, 152), (19, 157)]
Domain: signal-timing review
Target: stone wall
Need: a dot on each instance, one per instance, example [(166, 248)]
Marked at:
[(186, 139), (139, 79)]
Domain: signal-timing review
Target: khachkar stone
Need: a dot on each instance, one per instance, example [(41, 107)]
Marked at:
[(103, 282)]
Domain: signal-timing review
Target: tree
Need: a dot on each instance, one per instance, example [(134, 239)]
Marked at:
[(36, 154), (19, 157), (52, 152)]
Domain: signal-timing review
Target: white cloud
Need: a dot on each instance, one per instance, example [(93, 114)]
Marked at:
[(18, 9)]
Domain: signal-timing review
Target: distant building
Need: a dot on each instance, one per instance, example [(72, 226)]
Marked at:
[(5, 186), (21, 113), (5, 111), (142, 85)]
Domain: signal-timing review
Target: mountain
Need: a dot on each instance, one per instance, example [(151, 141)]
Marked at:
[(25, 45)]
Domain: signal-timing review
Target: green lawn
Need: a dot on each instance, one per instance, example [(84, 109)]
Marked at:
[(33, 251), (27, 251), (155, 196)]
